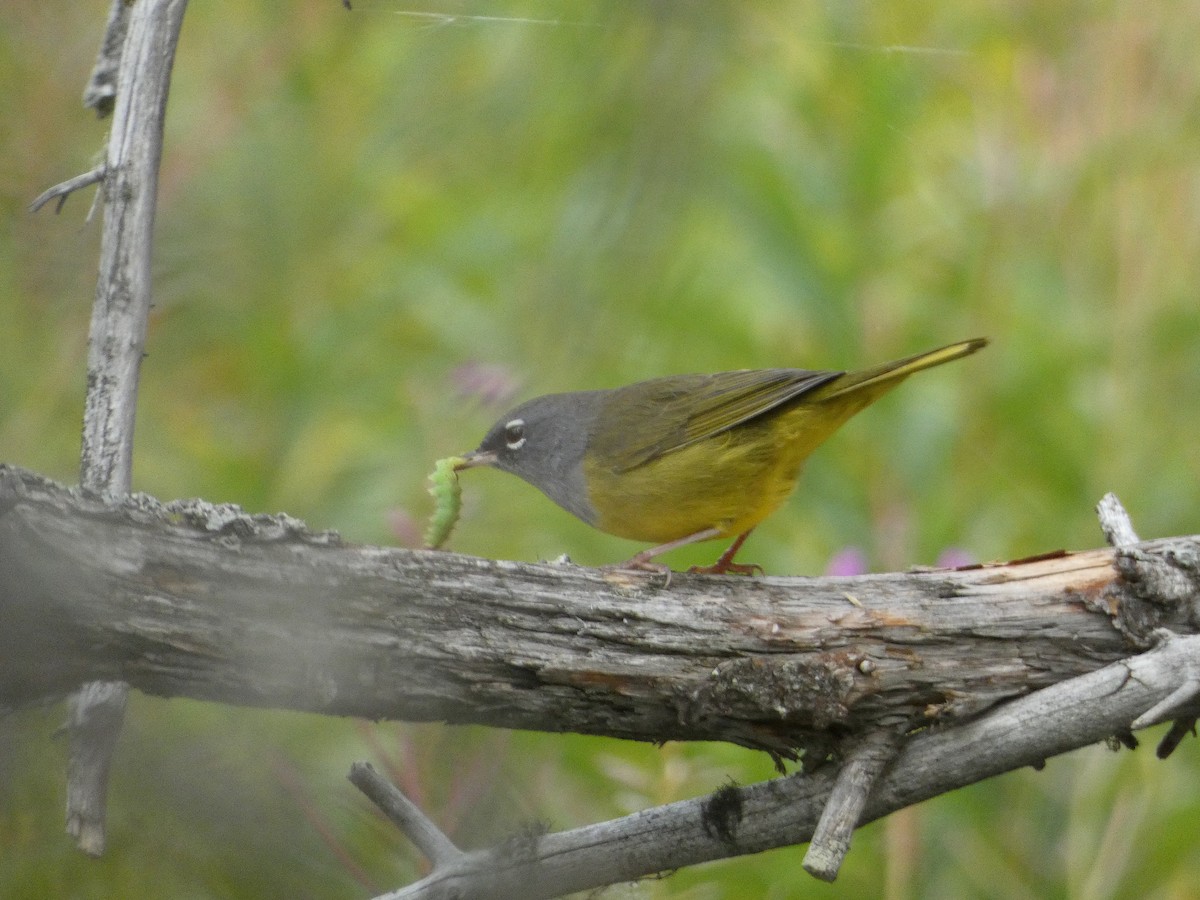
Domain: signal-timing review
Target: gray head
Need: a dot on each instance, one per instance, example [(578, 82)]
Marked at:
[(543, 442)]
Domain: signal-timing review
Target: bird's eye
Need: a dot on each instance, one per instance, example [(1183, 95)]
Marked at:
[(514, 434)]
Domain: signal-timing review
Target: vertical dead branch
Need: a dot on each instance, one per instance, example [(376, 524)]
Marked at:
[(115, 349), (118, 328)]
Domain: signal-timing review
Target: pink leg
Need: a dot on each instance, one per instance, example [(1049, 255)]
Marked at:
[(725, 564), (643, 560)]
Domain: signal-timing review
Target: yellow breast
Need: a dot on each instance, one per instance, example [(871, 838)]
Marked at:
[(730, 481)]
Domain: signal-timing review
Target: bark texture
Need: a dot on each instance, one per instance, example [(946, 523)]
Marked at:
[(196, 600)]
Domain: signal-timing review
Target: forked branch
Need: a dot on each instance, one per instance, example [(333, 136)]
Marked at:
[(785, 811)]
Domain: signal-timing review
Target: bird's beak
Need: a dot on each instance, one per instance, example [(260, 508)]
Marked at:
[(474, 459)]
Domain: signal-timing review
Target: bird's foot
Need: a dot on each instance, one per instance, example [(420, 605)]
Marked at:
[(725, 564), (638, 564)]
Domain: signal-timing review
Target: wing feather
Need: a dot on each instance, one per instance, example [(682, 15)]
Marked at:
[(652, 418)]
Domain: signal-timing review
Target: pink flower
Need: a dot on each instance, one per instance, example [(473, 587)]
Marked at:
[(848, 561)]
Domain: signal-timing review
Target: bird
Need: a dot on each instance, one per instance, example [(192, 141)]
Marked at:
[(681, 459)]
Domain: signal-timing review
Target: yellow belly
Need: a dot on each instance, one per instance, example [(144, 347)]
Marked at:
[(730, 481)]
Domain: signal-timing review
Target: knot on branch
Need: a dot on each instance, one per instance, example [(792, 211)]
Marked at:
[(1158, 588), (523, 848), (810, 698), (811, 693), (1161, 590)]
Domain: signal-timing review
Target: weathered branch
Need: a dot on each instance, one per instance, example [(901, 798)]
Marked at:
[(191, 599), (138, 52), (785, 811), (94, 718), (405, 815), (842, 811), (1115, 522), (123, 291), (64, 190)]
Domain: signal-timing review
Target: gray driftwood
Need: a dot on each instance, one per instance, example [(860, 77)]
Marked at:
[(191, 599)]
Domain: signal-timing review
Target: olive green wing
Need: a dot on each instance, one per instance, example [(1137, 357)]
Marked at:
[(647, 420)]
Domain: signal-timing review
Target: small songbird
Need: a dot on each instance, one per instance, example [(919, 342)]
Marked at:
[(686, 458)]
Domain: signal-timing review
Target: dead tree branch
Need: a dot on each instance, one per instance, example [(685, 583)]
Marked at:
[(196, 600), (841, 812), (192, 599), (64, 190), (138, 53), (785, 811), (405, 815)]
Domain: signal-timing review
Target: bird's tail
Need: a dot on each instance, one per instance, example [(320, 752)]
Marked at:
[(878, 379)]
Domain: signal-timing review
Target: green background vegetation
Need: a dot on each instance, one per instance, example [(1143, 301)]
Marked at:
[(372, 221)]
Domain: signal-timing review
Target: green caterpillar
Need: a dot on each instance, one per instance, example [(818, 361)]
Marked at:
[(447, 495)]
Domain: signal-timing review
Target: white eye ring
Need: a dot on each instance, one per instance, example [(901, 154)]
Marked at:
[(514, 434)]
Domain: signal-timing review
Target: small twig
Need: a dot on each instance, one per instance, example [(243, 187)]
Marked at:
[(843, 810), (1180, 729), (100, 92), (405, 814), (1115, 522), (68, 187)]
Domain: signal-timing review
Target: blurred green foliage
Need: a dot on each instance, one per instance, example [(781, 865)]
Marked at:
[(371, 221)]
